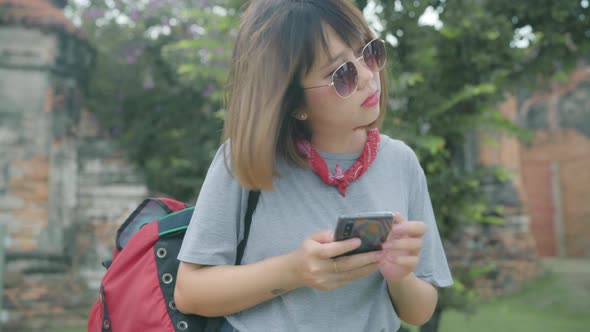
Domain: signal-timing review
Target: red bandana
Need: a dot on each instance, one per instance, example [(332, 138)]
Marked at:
[(340, 179)]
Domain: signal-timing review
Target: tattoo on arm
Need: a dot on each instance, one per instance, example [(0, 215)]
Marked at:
[(278, 291)]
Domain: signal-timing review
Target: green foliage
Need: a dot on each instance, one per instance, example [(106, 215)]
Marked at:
[(556, 301), (447, 82), (561, 33), (462, 295), (206, 58), (158, 87)]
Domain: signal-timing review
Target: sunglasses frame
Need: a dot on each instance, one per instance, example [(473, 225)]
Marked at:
[(354, 64)]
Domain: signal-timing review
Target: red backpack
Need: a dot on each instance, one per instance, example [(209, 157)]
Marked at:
[(137, 290)]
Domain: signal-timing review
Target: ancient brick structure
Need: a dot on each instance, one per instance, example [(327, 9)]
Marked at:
[(63, 186), (551, 173), (547, 199)]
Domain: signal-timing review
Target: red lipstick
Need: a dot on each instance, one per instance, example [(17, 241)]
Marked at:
[(372, 100)]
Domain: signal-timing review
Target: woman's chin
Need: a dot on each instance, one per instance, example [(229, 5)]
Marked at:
[(371, 115)]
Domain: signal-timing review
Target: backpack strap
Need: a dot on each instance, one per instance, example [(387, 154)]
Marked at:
[(252, 202), (106, 321), (180, 220), (175, 222)]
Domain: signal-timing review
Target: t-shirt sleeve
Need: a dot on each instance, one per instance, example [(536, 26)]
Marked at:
[(216, 226), (432, 266)]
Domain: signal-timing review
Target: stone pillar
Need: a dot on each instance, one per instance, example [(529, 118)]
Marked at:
[(39, 114), (25, 136), (2, 236)]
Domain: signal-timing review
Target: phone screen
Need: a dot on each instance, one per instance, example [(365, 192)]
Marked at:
[(371, 228)]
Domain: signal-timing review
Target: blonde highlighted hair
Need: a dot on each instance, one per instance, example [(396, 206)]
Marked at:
[(276, 45)]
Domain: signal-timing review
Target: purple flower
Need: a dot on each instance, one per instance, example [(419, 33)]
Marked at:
[(209, 90), (93, 13), (134, 15), (115, 131), (155, 3)]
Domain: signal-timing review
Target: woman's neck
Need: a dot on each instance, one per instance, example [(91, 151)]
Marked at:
[(348, 142)]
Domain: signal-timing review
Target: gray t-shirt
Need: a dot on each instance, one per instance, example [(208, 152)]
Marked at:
[(300, 205)]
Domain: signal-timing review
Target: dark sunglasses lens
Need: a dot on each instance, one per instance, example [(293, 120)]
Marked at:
[(345, 79), (374, 55)]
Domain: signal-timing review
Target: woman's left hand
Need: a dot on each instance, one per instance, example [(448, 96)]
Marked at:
[(401, 250)]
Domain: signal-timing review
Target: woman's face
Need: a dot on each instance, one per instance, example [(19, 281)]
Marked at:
[(326, 112)]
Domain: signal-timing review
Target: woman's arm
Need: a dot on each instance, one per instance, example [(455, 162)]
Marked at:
[(221, 290), (415, 299), (226, 289)]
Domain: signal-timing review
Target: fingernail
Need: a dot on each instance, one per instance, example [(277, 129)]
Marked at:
[(398, 228), (387, 245)]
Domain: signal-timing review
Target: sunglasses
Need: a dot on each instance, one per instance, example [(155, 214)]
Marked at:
[(345, 78)]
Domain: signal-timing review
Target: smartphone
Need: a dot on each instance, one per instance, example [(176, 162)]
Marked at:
[(372, 228)]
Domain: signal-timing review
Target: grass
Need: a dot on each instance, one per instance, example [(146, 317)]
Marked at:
[(70, 329), (559, 300)]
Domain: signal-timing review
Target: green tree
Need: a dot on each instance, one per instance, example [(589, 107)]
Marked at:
[(157, 84), (447, 79), (157, 87)]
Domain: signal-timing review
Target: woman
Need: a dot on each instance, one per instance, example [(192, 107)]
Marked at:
[(306, 96)]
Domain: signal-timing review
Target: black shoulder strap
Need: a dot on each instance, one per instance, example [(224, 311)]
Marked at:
[(252, 202)]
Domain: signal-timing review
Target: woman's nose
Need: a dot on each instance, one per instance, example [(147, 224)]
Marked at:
[(365, 74)]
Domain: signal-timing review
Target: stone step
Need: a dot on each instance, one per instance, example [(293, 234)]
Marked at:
[(30, 263)]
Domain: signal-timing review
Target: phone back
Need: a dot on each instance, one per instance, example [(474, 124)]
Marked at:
[(371, 228)]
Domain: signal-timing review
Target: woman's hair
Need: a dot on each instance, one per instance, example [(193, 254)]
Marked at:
[(276, 45)]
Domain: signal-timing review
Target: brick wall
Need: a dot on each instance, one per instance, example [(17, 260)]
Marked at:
[(538, 187), (25, 137), (28, 192), (551, 173), (505, 255), (64, 188), (109, 190), (565, 155), (575, 175)]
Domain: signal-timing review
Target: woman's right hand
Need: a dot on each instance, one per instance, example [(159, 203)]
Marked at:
[(316, 267)]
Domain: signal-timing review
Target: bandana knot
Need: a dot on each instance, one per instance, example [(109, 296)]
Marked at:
[(339, 178)]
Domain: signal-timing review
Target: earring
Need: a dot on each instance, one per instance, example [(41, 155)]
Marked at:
[(302, 116)]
